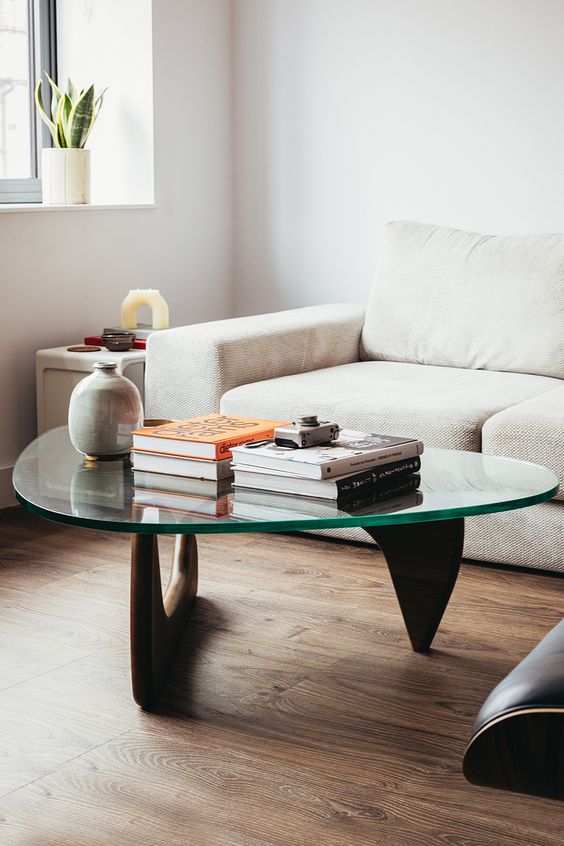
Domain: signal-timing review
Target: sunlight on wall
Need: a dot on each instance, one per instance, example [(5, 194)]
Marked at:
[(110, 44)]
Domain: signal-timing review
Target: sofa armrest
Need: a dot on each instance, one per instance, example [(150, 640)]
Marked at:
[(533, 431), (190, 368)]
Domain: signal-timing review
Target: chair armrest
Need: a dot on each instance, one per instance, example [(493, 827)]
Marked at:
[(518, 736), (189, 369), (533, 431)]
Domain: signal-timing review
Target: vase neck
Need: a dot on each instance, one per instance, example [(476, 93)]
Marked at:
[(105, 368)]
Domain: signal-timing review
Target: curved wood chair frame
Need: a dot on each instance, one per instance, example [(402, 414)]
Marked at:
[(518, 741)]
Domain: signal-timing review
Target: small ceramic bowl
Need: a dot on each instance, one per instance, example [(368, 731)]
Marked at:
[(118, 341)]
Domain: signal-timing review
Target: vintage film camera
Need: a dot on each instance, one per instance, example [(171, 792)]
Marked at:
[(307, 431)]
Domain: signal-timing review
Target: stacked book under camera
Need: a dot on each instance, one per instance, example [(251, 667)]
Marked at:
[(355, 473)]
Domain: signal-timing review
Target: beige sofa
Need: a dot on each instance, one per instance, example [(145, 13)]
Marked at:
[(462, 345)]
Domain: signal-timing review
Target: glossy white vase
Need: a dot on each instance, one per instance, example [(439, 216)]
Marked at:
[(65, 176), (104, 409)]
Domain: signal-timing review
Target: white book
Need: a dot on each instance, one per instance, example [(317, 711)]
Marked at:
[(174, 465), (353, 451)]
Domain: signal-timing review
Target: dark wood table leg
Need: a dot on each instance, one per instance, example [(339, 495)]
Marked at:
[(157, 621), (423, 560)]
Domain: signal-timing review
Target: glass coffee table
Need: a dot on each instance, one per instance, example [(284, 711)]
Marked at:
[(421, 533)]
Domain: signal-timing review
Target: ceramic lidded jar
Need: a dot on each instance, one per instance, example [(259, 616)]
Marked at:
[(104, 409)]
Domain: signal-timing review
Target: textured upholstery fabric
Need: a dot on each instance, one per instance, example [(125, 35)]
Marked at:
[(443, 406), (459, 299), (527, 537), (189, 369), (532, 431)]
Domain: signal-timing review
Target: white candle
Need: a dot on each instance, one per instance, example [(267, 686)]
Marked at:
[(144, 296)]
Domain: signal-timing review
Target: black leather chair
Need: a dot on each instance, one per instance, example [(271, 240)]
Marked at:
[(518, 736)]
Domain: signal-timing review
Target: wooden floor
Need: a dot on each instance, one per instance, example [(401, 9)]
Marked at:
[(296, 712)]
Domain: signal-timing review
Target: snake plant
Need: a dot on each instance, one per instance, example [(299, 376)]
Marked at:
[(72, 113)]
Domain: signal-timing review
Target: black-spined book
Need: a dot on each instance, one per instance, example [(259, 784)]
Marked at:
[(334, 489)]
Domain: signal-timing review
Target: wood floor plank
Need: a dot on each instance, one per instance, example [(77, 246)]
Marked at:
[(296, 714)]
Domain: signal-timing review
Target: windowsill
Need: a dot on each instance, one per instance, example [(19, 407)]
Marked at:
[(39, 207)]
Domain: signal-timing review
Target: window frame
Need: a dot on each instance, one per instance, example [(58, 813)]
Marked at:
[(42, 16)]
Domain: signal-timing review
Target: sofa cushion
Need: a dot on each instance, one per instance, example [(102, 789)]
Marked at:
[(532, 430), (460, 299), (443, 406)]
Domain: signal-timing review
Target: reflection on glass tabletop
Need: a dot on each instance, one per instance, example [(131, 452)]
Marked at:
[(53, 480)]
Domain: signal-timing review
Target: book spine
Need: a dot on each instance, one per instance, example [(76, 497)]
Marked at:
[(398, 487), (375, 475), (367, 461)]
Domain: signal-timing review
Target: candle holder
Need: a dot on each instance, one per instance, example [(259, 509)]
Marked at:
[(144, 296)]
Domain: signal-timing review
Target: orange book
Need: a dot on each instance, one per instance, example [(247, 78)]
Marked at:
[(209, 437)]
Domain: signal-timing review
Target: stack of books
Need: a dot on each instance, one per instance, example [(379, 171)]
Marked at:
[(186, 464), (380, 466)]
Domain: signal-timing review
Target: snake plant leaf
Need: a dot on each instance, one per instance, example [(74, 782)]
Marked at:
[(56, 95), (62, 120), (71, 91), (99, 101), (81, 119), (44, 116), (72, 113), (66, 115)]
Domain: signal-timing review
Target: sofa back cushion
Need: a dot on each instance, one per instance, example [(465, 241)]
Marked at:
[(460, 299)]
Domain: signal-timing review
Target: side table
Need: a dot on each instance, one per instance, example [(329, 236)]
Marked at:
[(58, 371)]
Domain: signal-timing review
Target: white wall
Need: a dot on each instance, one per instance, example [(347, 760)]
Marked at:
[(64, 274), (110, 44), (350, 113)]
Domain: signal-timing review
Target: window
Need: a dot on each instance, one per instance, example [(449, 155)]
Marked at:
[(27, 46)]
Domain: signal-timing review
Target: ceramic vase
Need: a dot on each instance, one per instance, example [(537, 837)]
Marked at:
[(65, 176), (104, 409)]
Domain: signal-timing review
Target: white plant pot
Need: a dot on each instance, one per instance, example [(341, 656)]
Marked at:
[(65, 176)]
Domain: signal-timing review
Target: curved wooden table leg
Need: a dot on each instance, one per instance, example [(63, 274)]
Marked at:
[(157, 621), (423, 560)]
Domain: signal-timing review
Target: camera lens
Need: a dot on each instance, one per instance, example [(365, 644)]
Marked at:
[(308, 420)]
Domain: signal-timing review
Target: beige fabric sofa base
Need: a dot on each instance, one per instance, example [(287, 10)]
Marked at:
[(445, 407), (529, 537)]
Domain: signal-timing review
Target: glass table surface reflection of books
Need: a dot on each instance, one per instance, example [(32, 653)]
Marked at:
[(420, 532)]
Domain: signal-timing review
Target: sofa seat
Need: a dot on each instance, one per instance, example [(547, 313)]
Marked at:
[(443, 406)]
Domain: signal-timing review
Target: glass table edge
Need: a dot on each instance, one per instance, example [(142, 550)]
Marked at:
[(216, 527)]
